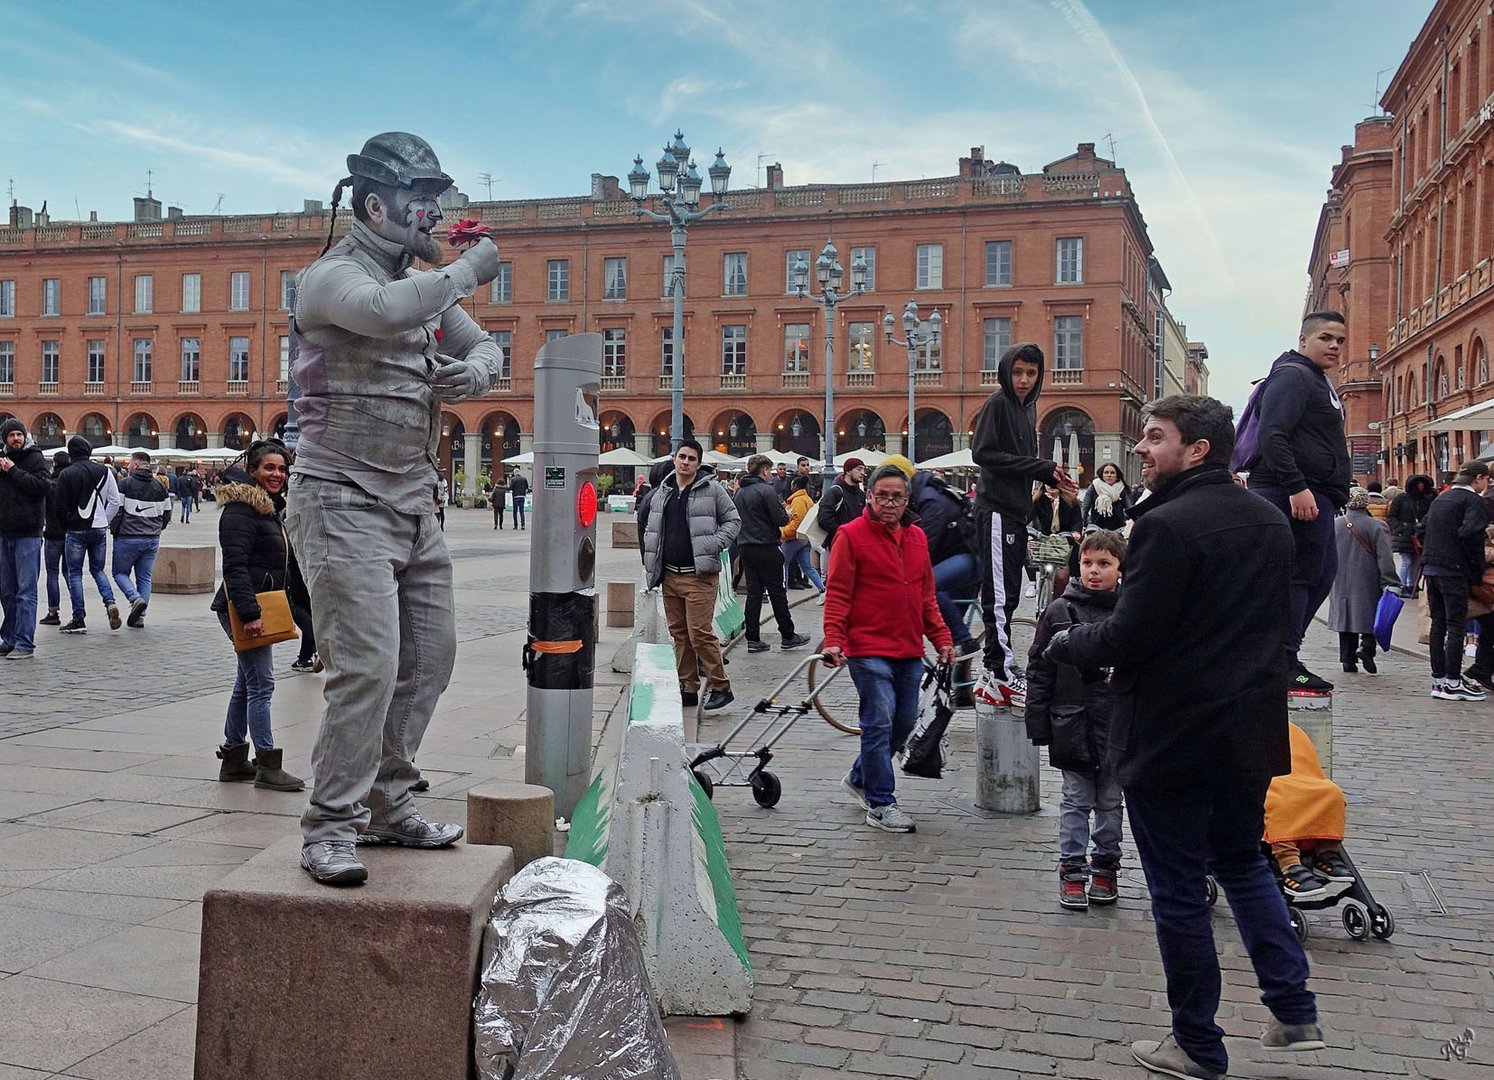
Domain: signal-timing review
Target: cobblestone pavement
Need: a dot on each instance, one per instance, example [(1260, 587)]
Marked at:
[(943, 955)]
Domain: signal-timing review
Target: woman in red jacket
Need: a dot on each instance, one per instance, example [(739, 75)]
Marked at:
[(879, 606)]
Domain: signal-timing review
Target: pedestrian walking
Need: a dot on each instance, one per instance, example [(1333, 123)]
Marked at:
[(879, 607), (256, 558), (143, 514), (442, 497), (1407, 519), (1365, 570), (1303, 469), (499, 496), (795, 548), (762, 520), (187, 488), (1452, 560), (1200, 725), (518, 487), (844, 502), (89, 497), (24, 485), (54, 544)]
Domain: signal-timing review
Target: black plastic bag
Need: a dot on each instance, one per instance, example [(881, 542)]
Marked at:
[(927, 749)]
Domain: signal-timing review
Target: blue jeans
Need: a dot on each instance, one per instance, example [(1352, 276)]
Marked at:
[(796, 553), (1182, 835), (1407, 561), (889, 710), (249, 703), (1314, 560), (957, 578), (52, 557), (93, 543), (1086, 793), (521, 518), (20, 565), (186, 509), (138, 554)]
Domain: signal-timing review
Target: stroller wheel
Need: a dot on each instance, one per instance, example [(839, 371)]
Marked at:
[(1299, 923), (1382, 922), (766, 789), (705, 783), (1356, 923), (1211, 890)]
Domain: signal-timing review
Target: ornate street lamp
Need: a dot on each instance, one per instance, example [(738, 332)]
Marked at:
[(829, 273), (915, 340), (679, 187)]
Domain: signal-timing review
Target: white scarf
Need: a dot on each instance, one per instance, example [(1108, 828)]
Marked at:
[(1105, 496)]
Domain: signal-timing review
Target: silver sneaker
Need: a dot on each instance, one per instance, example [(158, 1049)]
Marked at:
[(333, 862), (890, 818), (1279, 1036), (1170, 1059), (413, 831), (855, 791)]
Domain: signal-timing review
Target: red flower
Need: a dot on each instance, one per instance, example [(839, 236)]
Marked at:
[(468, 231)]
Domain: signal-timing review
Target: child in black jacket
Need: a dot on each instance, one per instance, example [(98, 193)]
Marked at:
[(1068, 711)]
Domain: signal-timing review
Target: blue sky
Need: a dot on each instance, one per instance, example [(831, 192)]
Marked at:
[(1227, 117)]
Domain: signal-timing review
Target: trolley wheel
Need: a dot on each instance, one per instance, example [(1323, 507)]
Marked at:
[(1356, 923), (1211, 890), (1299, 922), (1382, 922), (818, 675), (766, 789), (705, 783)]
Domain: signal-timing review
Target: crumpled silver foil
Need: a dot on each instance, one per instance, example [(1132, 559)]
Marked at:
[(564, 993)]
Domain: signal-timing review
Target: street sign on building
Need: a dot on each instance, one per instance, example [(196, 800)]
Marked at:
[(1339, 258)]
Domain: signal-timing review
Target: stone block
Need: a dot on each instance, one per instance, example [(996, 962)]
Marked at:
[(185, 569), (299, 980), (513, 815), (620, 603), (625, 534)]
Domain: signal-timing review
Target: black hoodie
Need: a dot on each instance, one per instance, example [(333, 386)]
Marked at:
[(23, 492), (1302, 432), (1004, 444)]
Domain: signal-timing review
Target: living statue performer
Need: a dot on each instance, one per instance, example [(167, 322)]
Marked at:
[(381, 347)]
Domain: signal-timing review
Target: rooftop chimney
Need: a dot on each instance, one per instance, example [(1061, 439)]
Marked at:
[(93, 215), (20, 216), (148, 208), (311, 206), (173, 212), (775, 176)]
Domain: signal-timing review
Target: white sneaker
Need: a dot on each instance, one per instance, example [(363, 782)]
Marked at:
[(890, 818), (993, 690), (857, 794), (1030, 591), (1460, 691)]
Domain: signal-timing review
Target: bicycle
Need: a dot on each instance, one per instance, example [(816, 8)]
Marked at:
[(1046, 554)]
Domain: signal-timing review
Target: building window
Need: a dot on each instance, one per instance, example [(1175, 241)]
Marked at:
[(141, 370), (238, 291), (930, 355), (734, 349), (558, 278), (614, 352), (998, 262), (51, 296), (145, 293), (1070, 260), (668, 276), (95, 360), (795, 347), (502, 289), (285, 358), (7, 363), (555, 335), (996, 339), (930, 266), (615, 279), (7, 301), (97, 295), (734, 274), (191, 293), (238, 359), (666, 351), (870, 255), (191, 359), (51, 361), (504, 339), (1068, 343), (789, 259), (862, 337), (287, 286)]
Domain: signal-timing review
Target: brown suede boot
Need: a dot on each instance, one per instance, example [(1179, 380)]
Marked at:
[(236, 767), (269, 774)]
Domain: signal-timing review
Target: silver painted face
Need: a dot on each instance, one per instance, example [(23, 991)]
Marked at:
[(411, 221)]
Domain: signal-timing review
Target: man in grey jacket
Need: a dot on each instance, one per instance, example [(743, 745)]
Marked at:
[(691, 521), (381, 347)]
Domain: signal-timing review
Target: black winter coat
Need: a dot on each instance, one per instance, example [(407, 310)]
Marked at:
[(841, 505), (1068, 709), (1197, 637), (1302, 444), (762, 512), (55, 526), (1407, 515), (23, 492), (1455, 533), (253, 540), (1004, 444), (940, 511)]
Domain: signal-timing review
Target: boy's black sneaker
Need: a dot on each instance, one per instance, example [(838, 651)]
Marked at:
[(52, 619), (758, 646), (1302, 884), (1072, 893), (717, 700), (1104, 882), (75, 627), (1299, 678)]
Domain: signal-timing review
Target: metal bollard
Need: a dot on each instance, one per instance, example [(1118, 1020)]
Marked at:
[(1313, 713), (1006, 779)]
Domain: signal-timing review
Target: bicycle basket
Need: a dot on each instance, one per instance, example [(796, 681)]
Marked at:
[(1052, 550)]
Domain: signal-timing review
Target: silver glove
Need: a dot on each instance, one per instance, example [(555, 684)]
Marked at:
[(482, 259), (457, 380)]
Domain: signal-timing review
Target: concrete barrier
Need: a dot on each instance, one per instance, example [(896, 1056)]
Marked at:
[(298, 980), (620, 603), (516, 816), (646, 822), (185, 569), (625, 534), (1006, 778)]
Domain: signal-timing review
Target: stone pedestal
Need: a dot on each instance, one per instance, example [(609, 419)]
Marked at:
[(1006, 778), (513, 815), (185, 569), (301, 980), (625, 534), (620, 603)]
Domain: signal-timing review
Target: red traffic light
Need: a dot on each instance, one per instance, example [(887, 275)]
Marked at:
[(586, 505)]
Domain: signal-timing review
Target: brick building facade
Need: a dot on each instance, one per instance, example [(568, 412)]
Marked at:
[(173, 332)]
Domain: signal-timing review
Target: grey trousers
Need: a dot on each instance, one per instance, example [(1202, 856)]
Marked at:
[(380, 584)]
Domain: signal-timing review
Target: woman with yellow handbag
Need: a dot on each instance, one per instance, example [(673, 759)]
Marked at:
[(254, 608)]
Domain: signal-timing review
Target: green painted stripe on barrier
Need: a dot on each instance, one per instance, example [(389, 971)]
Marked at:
[(728, 918), (593, 814), (641, 703), (729, 615)]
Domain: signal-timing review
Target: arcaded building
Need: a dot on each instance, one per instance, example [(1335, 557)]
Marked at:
[(174, 331)]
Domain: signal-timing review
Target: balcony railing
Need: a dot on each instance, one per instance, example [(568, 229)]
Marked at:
[(189, 386), (282, 386), (142, 386), (502, 385), (861, 378), (990, 378), (928, 378), (796, 380), (93, 389), (614, 382), (666, 382), (7, 389), (47, 389), (1067, 376), (238, 387), (733, 382)]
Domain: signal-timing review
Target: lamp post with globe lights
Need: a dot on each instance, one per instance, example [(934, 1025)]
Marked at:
[(829, 273), (679, 187), (915, 340)]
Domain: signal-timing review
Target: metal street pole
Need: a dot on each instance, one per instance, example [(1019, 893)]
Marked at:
[(829, 273), (677, 340), (916, 338)]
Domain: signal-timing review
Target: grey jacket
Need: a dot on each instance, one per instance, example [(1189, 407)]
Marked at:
[(1360, 578), (714, 524)]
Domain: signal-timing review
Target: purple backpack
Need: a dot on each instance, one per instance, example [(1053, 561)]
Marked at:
[(1248, 431)]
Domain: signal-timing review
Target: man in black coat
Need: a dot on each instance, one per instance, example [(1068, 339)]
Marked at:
[(1200, 724), (1453, 559), (24, 484), (763, 518)]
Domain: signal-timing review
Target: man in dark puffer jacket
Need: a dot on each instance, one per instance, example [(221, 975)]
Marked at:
[(23, 495)]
